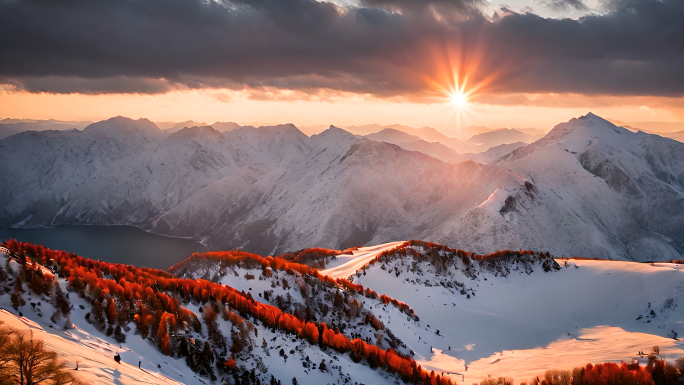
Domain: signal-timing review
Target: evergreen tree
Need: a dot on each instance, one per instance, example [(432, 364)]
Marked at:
[(97, 317), (119, 336)]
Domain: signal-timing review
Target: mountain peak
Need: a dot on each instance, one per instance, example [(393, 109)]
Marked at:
[(333, 134), (283, 127), (123, 124), (188, 123), (574, 133), (589, 120), (225, 126), (393, 136), (590, 116), (335, 131), (201, 134), (195, 131)]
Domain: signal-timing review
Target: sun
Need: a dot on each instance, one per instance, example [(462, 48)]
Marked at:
[(459, 99)]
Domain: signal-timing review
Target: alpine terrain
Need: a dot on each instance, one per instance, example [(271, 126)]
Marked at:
[(588, 188)]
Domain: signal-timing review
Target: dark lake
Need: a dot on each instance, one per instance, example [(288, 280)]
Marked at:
[(119, 244)]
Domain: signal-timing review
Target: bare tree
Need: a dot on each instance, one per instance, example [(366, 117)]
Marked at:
[(33, 364), (5, 362), (558, 377)]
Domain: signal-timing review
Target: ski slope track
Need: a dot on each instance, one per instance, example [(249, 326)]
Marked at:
[(346, 265)]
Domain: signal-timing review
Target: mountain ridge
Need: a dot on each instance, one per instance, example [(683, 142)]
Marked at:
[(274, 189)]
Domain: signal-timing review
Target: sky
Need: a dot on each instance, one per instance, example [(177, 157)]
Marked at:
[(443, 63)]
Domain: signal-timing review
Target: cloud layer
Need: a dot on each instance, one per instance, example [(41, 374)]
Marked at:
[(381, 47)]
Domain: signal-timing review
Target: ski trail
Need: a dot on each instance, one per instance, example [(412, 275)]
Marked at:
[(348, 264)]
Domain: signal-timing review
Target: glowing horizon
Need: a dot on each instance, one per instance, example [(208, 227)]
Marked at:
[(521, 111)]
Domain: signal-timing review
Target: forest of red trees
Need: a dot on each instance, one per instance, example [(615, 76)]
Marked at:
[(153, 296), (656, 372), (278, 263)]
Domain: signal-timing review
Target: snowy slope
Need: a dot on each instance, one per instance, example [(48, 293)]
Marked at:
[(427, 134), (273, 189), (508, 315), (588, 188), (92, 350), (494, 153), (514, 319), (266, 353), (486, 140), (122, 171), (345, 265), (627, 187), (317, 300), (94, 356), (414, 143), (349, 192)]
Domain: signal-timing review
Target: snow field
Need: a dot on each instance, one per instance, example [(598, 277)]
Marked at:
[(520, 325)]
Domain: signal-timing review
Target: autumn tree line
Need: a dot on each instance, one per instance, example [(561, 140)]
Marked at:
[(292, 268), (443, 258), (314, 257), (317, 291), (656, 372), (152, 298)]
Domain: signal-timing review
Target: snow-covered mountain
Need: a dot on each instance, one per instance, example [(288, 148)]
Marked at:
[(12, 126), (588, 188), (426, 133), (415, 143), (494, 153), (225, 126), (466, 132), (484, 141), (180, 125)]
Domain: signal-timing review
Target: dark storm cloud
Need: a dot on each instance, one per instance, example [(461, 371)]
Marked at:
[(384, 47)]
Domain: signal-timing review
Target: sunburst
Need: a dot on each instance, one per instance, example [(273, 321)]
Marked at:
[(454, 76), (459, 99)]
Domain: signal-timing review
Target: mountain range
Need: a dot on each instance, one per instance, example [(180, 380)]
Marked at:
[(13, 126), (588, 188)]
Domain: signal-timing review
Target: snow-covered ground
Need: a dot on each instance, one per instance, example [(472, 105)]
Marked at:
[(346, 264), (522, 324), (513, 319), (91, 349), (511, 316), (94, 352)]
